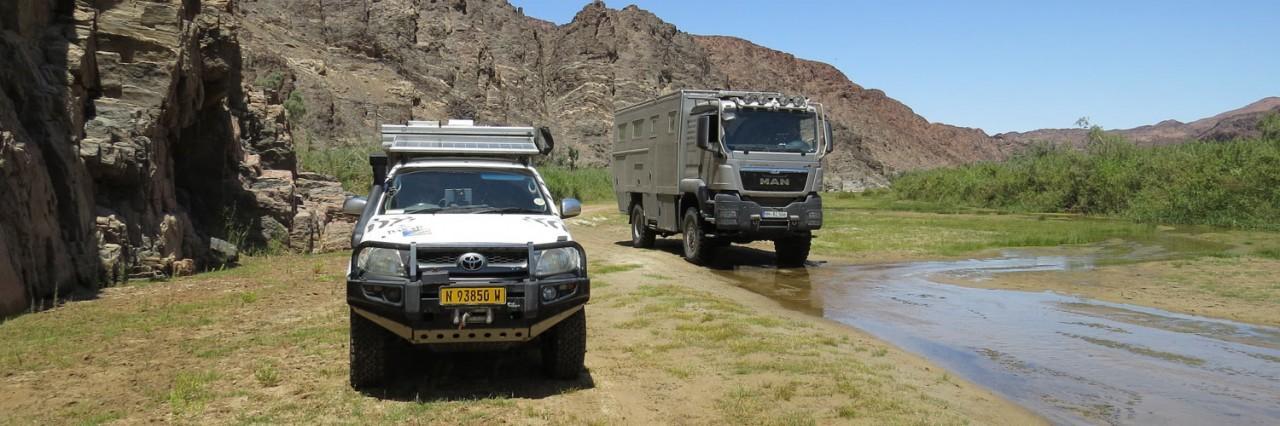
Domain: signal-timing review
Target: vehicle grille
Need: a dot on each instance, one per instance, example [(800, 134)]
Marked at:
[(450, 258), (772, 201), (769, 181)]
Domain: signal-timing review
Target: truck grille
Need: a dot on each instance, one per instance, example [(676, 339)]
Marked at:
[(773, 181)]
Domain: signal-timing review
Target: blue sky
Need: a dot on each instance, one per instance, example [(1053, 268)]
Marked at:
[(1012, 65)]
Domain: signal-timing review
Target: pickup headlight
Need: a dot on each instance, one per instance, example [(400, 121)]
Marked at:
[(381, 261), (557, 261)]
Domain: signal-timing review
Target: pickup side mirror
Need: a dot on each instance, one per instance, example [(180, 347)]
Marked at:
[(354, 206), (831, 143), (707, 133), (570, 207)]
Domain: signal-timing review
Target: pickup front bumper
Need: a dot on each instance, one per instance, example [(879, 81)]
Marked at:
[(417, 315)]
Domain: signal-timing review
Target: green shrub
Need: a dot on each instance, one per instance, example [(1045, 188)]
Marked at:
[(1233, 184), (274, 80), (585, 184), (349, 164), (296, 106)]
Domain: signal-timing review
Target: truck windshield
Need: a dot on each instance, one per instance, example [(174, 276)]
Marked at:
[(772, 131), (465, 192)]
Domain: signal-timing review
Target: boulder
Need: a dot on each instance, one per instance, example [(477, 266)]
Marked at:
[(223, 252)]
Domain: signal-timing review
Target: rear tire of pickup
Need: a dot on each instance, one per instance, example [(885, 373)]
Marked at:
[(792, 252), (698, 249), (565, 346), (372, 350), (641, 235)]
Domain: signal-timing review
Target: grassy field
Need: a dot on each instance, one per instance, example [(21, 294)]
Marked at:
[(876, 225), (1229, 184), (267, 343)]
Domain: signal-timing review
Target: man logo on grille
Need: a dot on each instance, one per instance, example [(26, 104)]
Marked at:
[(775, 181), (471, 261)]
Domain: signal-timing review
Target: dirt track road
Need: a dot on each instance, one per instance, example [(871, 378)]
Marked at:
[(669, 342)]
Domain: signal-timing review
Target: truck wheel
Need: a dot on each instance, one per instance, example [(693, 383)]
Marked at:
[(565, 346), (792, 252), (371, 352), (641, 235), (697, 247)]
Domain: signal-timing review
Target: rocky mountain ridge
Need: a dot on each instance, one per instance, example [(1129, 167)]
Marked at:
[(361, 63), (1237, 123)]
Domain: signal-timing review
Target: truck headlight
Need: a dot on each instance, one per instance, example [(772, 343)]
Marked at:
[(557, 261), (381, 261)]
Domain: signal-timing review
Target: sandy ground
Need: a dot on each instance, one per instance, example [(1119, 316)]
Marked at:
[(670, 343)]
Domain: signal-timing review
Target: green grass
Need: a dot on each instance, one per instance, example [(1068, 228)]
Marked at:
[(585, 184), (1229, 184), (609, 268), (1269, 253), (870, 224), (348, 163)]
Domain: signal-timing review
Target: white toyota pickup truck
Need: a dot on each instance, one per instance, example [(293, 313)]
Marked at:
[(460, 247)]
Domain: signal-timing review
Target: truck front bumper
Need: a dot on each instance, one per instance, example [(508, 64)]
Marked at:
[(732, 213), (417, 315)]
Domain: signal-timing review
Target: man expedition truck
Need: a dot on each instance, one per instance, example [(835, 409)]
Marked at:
[(459, 247), (722, 167)]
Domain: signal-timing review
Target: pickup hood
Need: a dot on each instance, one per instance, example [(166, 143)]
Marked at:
[(465, 229)]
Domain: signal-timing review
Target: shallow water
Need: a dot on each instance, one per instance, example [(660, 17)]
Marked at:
[(1073, 360)]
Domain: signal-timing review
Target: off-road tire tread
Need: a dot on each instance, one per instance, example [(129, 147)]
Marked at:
[(706, 248), (565, 347), (647, 236), (371, 348), (792, 252)]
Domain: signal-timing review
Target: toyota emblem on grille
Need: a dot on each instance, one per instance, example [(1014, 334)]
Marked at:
[(471, 261)]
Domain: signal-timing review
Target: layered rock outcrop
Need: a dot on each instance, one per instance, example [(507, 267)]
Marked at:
[(130, 145)]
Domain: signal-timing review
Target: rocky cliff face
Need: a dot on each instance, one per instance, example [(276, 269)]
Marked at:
[(130, 148), (362, 63)]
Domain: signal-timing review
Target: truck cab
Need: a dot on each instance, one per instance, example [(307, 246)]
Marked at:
[(460, 247), (722, 167)]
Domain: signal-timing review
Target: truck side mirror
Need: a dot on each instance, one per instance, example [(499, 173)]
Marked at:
[(570, 207), (354, 206), (831, 143), (705, 133)]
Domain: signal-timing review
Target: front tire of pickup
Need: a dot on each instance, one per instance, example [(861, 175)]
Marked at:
[(792, 252), (698, 249), (564, 347), (372, 348), (641, 235)]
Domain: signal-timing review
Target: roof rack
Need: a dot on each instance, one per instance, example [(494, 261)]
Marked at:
[(464, 138)]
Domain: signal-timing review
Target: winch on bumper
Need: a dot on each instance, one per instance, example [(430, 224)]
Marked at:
[(732, 213), (411, 305)]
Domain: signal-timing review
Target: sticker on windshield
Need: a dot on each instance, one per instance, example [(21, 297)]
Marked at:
[(539, 202)]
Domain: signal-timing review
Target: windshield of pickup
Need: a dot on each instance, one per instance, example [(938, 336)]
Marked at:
[(772, 131), (464, 191)]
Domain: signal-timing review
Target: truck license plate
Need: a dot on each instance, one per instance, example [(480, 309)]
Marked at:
[(473, 296), (774, 214)]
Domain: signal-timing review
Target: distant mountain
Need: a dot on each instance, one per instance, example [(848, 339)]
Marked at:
[(1237, 123)]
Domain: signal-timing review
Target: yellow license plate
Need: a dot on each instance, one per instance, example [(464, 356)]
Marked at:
[(473, 296)]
